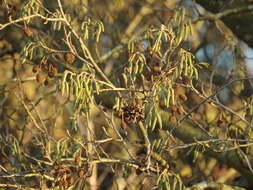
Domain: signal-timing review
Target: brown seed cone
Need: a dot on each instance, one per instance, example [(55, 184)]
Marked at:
[(46, 82), (56, 166), (70, 180), (173, 119), (52, 71), (220, 122), (69, 58), (28, 32), (183, 97), (138, 171), (180, 110), (81, 172), (44, 64), (40, 78), (65, 184), (49, 184), (77, 160), (36, 68), (173, 109)]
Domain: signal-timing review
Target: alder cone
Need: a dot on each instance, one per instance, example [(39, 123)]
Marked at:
[(46, 82), (70, 180), (36, 68), (132, 113), (78, 160), (173, 108), (138, 171), (53, 71), (65, 184), (49, 184), (28, 32), (69, 58), (180, 110), (183, 97), (44, 64), (81, 172), (220, 122), (173, 119), (40, 78)]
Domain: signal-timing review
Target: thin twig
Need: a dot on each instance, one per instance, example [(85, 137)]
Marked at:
[(209, 98), (147, 142)]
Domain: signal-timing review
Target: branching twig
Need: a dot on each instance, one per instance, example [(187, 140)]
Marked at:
[(209, 98)]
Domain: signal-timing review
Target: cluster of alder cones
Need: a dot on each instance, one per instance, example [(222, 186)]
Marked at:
[(132, 112), (66, 174), (46, 71)]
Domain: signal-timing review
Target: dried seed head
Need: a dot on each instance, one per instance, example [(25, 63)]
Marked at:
[(67, 171), (185, 80), (36, 68), (173, 109), (138, 171), (176, 90), (173, 119), (77, 160), (58, 183), (180, 110), (49, 184), (133, 112), (44, 64), (40, 78), (28, 32), (162, 103), (81, 172), (220, 122), (52, 71), (73, 169), (46, 82), (65, 184), (56, 166), (69, 58), (70, 180), (182, 97)]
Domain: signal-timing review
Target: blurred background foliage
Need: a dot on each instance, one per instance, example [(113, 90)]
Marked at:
[(124, 94)]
